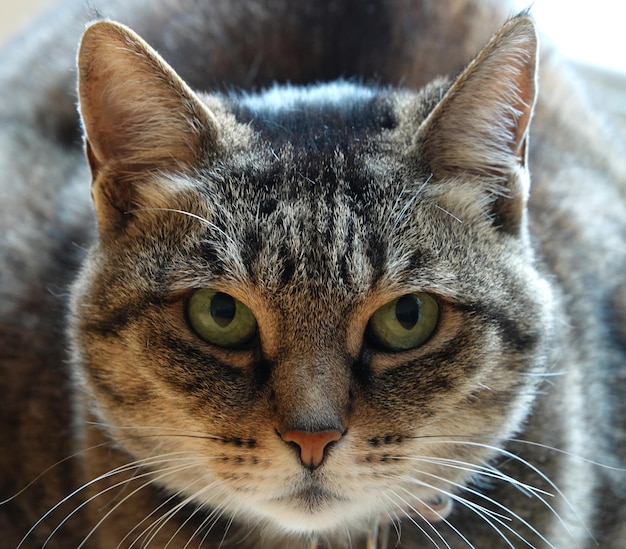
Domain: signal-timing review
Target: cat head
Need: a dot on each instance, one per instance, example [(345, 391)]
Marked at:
[(303, 305)]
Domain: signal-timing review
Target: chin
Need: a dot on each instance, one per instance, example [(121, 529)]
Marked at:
[(302, 516)]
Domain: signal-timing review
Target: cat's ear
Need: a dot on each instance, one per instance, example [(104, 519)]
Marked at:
[(139, 116), (480, 126)]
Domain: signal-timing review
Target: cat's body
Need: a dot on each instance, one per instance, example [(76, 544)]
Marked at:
[(314, 207)]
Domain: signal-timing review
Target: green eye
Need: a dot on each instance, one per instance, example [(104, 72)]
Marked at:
[(220, 319), (404, 323)]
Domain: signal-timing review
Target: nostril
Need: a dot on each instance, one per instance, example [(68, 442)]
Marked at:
[(312, 444)]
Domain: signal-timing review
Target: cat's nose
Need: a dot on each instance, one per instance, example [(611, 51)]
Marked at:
[(312, 444)]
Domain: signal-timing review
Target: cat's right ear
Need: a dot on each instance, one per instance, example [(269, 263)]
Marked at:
[(479, 129), (138, 115)]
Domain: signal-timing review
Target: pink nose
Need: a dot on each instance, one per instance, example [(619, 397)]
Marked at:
[(312, 444)]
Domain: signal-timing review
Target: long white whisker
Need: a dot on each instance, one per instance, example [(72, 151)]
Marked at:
[(412, 508), (393, 208), (213, 518), (478, 509), (159, 523), (168, 471), (199, 507), (496, 516), (482, 512), (167, 516), (483, 470), (51, 467), (533, 468), (117, 470), (247, 533), (457, 219), (156, 510), (444, 520), (413, 521), (226, 530), (397, 524), (568, 454)]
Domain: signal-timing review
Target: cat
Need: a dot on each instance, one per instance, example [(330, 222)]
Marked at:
[(343, 302)]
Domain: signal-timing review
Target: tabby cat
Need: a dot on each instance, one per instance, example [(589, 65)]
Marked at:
[(321, 305)]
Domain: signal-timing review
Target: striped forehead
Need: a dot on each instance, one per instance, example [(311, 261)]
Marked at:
[(313, 228)]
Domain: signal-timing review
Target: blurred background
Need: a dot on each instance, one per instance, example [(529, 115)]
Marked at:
[(16, 14), (592, 32)]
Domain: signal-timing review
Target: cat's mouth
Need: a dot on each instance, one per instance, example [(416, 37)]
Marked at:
[(311, 498), (313, 508), (316, 509)]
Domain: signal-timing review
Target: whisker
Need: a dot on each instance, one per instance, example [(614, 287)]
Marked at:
[(185, 433), (397, 526), (468, 439), (156, 510), (568, 454), (189, 434), (496, 516), (487, 515), (170, 514), (409, 203), (482, 470), (226, 530), (169, 471), (444, 519), (159, 523), (395, 205), (482, 512), (203, 220), (537, 471), (121, 469), (215, 517), (199, 507), (413, 521), (246, 533), (479, 510), (51, 467), (543, 374), (457, 219)]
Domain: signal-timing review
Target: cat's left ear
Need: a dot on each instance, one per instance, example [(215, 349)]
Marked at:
[(137, 112), (480, 126), (139, 117)]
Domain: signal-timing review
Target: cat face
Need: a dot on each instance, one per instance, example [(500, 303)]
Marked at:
[(312, 307)]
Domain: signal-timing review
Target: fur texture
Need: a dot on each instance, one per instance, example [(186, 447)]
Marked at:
[(314, 205)]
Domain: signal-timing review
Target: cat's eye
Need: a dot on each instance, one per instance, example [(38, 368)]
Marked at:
[(404, 323), (220, 319)]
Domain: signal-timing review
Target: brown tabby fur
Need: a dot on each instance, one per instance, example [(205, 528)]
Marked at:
[(314, 206)]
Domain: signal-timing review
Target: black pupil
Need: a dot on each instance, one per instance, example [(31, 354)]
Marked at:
[(407, 311), (223, 309)]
